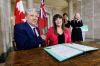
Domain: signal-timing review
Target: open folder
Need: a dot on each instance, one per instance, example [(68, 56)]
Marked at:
[(65, 51)]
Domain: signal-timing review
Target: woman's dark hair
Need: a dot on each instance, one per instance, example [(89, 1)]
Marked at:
[(65, 14), (63, 17), (55, 17)]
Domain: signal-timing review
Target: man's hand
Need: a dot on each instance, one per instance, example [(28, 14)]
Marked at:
[(43, 37)]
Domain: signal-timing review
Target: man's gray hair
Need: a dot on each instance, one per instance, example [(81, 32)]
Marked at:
[(30, 10)]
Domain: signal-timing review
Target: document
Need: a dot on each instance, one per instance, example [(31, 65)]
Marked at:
[(65, 51), (81, 47)]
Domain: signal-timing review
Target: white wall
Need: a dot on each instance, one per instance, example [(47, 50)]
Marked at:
[(91, 16)]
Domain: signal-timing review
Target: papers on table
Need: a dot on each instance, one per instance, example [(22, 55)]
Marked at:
[(65, 51)]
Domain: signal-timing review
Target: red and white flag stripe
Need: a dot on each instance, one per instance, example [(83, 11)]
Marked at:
[(19, 12), (42, 17)]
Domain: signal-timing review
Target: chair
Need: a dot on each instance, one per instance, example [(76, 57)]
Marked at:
[(14, 45)]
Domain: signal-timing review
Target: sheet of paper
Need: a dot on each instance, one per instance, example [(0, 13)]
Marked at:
[(82, 47), (65, 51), (62, 52)]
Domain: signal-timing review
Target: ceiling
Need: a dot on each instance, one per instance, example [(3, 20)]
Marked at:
[(59, 4), (55, 3)]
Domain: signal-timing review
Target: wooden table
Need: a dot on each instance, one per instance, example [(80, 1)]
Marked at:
[(38, 57)]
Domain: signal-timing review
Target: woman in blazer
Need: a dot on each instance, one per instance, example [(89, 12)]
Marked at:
[(58, 34)]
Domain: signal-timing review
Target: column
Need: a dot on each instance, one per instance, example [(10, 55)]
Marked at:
[(5, 10), (2, 36), (70, 9), (1, 33), (30, 3)]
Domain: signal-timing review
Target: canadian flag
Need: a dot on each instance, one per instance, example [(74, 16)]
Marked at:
[(19, 12), (42, 21)]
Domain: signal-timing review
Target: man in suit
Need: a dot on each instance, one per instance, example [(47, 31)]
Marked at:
[(27, 34)]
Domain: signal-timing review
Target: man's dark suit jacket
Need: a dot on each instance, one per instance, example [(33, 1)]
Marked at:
[(25, 38)]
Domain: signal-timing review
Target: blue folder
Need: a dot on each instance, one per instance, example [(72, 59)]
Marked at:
[(65, 51)]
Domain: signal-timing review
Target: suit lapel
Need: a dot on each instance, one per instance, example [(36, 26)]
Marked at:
[(29, 30)]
